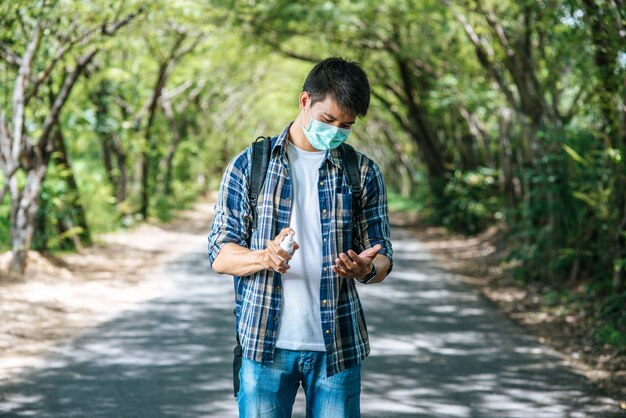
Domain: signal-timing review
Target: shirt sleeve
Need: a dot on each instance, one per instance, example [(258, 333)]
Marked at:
[(374, 223), (232, 210)]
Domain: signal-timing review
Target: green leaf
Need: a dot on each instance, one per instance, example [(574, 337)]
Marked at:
[(575, 155)]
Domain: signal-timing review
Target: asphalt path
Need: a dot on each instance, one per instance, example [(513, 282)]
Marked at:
[(439, 349)]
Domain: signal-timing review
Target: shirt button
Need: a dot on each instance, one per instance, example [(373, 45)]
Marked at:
[(325, 269), (321, 183), (324, 211), (327, 331), (324, 302)]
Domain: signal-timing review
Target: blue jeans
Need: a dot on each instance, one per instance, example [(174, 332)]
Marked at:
[(269, 390)]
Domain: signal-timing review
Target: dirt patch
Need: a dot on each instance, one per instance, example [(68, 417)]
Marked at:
[(60, 297), (476, 260)]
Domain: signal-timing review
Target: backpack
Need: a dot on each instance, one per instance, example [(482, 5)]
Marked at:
[(260, 161)]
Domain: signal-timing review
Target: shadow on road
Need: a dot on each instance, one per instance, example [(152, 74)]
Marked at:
[(169, 357), (438, 350)]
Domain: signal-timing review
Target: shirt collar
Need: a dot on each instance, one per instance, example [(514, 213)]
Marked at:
[(280, 146)]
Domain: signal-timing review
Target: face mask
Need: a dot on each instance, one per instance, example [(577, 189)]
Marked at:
[(323, 136)]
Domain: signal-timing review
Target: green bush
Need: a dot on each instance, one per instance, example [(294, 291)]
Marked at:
[(611, 313), (561, 227), (398, 203), (474, 200), (183, 195)]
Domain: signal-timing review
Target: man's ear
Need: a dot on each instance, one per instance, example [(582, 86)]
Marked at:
[(305, 98)]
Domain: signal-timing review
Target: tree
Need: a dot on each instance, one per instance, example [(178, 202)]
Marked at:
[(608, 31), (418, 66), (166, 65), (37, 39)]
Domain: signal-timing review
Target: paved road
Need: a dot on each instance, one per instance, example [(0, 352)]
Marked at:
[(438, 350)]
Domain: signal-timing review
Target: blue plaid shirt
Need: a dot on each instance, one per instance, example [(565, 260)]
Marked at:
[(258, 296)]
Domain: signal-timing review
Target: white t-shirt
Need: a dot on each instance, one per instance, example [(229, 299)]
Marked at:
[(300, 325)]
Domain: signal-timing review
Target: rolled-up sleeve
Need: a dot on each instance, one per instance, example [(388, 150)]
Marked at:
[(375, 220), (232, 210)]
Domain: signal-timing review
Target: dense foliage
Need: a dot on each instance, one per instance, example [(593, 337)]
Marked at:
[(482, 112)]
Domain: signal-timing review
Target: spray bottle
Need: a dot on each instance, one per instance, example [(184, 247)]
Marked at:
[(287, 244)]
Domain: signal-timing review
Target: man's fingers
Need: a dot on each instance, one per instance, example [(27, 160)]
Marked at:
[(284, 255), (356, 258), (277, 257), (283, 233), (376, 248), (341, 272), (278, 251), (370, 252), (340, 264), (278, 261), (347, 263), (275, 264)]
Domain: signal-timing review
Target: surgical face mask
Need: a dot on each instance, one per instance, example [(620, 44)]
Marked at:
[(323, 136)]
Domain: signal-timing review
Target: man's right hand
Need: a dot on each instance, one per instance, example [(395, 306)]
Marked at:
[(274, 257)]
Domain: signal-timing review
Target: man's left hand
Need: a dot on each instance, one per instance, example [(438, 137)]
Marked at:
[(357, 266)]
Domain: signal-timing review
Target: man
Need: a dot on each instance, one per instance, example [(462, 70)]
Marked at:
[(299, 317)]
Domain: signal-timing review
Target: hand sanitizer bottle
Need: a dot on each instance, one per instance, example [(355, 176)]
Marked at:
[(287, 244)]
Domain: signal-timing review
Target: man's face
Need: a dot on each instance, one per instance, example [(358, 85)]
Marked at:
[(326, 111)]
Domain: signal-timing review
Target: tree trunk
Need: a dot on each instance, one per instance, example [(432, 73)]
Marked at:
[(146, 160), (619, 272), (166, 164), (421, 130), (61, 160), (107, 160), (479, 132), (112, 148), (150, 146), (506, 161), (145, 184), (405, 167), (122, 178), (23, 210)]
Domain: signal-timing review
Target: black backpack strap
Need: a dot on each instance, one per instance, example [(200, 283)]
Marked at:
[(260, 162), (351, 168), (237, 361)]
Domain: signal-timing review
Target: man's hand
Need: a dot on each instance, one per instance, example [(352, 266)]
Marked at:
[(354, 265), (274, 257)]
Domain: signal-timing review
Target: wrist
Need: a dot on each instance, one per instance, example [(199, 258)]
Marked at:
[(261, 259), (370, 276)]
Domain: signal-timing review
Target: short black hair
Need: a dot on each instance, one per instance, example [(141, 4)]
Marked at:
[(344, 81)]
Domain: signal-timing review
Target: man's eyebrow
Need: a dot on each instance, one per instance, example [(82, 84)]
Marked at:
[(329, 116)]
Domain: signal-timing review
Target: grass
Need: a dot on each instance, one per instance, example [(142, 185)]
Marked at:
[(398, 203), (605, 308)]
